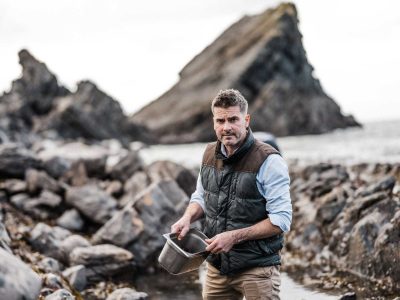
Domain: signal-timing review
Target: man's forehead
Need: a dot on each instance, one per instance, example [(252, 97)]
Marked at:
[(226, 112)]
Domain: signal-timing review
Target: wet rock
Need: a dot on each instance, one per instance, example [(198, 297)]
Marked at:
[(127, 294), (102, 261), (385, 184), (15, 160), (92, 202), (185, 178), (76, 277), (49, 265), (39, 180), (47, 240), (61, 294), (71, 220), (18, 281), (126, 166)]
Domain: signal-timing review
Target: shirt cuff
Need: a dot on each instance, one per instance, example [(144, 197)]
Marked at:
[(281, 221)]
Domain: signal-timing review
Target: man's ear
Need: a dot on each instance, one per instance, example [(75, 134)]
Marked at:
[(247, 120)]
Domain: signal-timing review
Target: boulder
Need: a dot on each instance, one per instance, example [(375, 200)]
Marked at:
[(18, 281), (102, 261), (127, 294), (39, 180), (13, 186), (49, 265), (76, 277), (15, 160), (185, 178), (93, 203), (61, 294), (159, 206), (47, 240), (138, 182), (263, 57), (67, 245), (71, 220), (122, 229), (126, 166), (91, 114)]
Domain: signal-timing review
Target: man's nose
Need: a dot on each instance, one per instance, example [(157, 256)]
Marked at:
[(227, 126)]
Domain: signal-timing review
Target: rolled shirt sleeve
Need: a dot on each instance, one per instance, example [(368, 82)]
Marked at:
[(273, 183)]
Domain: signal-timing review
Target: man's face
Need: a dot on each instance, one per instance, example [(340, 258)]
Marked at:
[(230, 126)]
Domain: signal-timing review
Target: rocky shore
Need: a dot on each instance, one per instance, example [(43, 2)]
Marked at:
[(85, 224), (346, 229)]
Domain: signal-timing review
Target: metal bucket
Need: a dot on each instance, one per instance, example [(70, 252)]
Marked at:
[(180, 256)]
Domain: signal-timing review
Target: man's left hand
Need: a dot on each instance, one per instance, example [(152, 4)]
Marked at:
[(222, 242)]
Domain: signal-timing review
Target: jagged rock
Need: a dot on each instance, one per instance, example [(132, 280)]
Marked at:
[(5, 240), (127, 294), (71, 220), (114, 188), (354, 226), (93, 115), (76, 277), (39, 180), (121, 230), (49, 265), (61, 294), (47, 240), (56, 166), (159, 206), (41, 207), (263, 57), (70, 243), (169, 170), (13, 186), (18, 281), (101, 260), (133, 186), (92, 202), (15, 160), (126, 166), (140, 225)]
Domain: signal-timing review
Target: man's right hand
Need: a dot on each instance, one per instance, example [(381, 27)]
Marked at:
[(181, 227)]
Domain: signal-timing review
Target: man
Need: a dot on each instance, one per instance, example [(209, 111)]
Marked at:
[(243, 191)]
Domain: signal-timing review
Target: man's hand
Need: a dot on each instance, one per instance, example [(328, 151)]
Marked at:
[(222, 242), (181, 227), (193, 212)]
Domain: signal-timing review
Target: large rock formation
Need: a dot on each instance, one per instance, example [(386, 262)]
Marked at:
[(263, 57), (37, 106)]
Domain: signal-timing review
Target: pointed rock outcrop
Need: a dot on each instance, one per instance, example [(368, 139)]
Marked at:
[(263, 57)]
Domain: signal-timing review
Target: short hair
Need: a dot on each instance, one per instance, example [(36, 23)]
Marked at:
[(228, 98)]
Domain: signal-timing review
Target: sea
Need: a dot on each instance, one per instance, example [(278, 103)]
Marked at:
[(375, 142)]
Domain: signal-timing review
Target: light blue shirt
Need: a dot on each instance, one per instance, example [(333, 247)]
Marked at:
[(273, 183)]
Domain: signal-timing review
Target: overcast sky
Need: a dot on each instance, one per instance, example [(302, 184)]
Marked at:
[(133, 50)]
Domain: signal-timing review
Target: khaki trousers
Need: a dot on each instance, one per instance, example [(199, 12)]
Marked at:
[(261, 283)]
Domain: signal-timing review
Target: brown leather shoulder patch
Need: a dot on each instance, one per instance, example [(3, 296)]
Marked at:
[(255, 157), (209, 155)]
